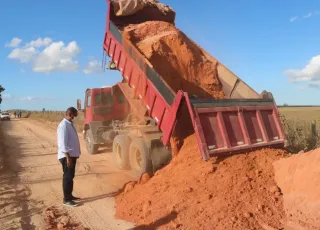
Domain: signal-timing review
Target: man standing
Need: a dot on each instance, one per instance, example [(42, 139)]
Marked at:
[(68, 153)]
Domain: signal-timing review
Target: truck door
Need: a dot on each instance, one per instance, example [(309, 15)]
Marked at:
[(121, 104), (87, 107)]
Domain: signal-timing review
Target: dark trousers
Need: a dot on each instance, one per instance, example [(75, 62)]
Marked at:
[(68, 175)]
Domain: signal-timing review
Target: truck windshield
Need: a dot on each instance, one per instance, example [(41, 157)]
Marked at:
[(103, 99)]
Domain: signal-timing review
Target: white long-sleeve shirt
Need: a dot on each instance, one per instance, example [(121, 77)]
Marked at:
[(68, 141)]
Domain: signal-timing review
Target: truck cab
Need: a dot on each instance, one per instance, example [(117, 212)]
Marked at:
[(102, 106)]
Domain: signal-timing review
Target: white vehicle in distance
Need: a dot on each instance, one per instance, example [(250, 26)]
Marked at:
[(5, 116)]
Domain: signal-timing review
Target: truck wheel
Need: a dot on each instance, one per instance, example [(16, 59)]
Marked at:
[(140, 161), (91, 147), (120, 150)]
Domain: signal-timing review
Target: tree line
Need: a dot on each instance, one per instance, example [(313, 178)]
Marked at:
[(1, 90)]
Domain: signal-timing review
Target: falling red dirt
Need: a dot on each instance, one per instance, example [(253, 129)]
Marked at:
[(180, 62), (238, 192)]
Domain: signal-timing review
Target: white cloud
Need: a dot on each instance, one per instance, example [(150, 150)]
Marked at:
[(27, 98), (22, 70), (302, 88), (311, 72), (310, 86), (57, 57), (23, 54), (35, 99), (314, 85), (93, 67), (6, 96), (15, 42), (292, 19), (47, 56), (308, 15), (40, 42)]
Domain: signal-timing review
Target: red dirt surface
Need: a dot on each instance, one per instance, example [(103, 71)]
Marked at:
[(180, 62), (238, 192), (299, 179)]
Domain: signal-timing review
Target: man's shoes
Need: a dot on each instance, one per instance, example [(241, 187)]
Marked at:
[(70, 203), (75, 198)]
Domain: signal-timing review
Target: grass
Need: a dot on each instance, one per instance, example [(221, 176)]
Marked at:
[(300, 125)]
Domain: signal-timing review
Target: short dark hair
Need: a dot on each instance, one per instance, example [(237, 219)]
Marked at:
[(72, 111)]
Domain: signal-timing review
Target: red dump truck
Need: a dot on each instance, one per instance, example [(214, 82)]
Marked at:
[(244, 121)]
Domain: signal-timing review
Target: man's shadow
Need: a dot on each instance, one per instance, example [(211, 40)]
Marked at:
[(162, 221), (94, 198)]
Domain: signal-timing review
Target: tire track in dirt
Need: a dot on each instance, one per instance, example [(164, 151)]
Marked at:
[(74, 215), (40, 171), (16, 207)]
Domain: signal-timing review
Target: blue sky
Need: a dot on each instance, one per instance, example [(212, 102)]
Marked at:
[(272, 45)]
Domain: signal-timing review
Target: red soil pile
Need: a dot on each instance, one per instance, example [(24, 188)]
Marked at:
[(180, 62), (238, 192), (299, 179)]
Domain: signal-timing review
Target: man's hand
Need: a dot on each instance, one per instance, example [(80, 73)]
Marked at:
[(69, 162)]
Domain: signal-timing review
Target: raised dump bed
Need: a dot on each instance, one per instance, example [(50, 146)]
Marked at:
[(235, 125), (244, 120)]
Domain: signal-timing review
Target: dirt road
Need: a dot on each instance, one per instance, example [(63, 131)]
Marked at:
[(31, 180)]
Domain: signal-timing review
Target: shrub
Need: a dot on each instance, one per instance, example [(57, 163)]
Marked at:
[(300, 135)]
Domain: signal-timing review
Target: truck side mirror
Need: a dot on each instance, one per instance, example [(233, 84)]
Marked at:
[(79, 105)]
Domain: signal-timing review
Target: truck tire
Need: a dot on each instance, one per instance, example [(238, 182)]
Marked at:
[(140, 161), (91, 147), (120, 151)]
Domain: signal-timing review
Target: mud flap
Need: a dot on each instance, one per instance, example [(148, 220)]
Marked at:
[(159, 155)]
